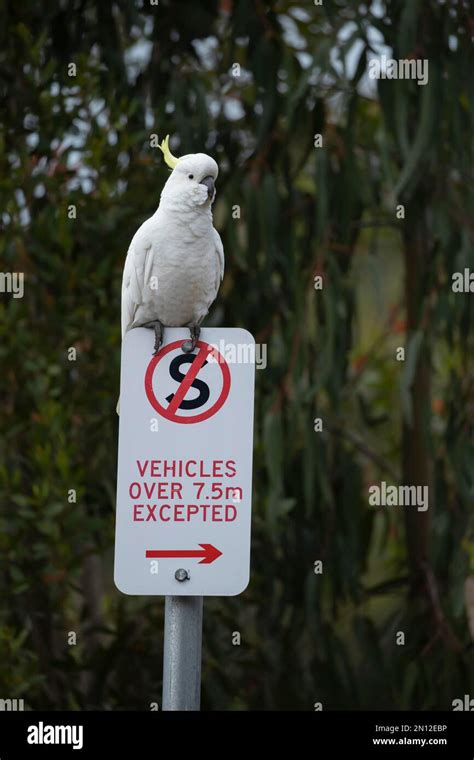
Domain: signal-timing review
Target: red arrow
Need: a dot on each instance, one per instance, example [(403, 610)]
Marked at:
[(208, 553)]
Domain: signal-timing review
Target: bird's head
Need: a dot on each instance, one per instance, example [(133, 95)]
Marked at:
[(192, 179)]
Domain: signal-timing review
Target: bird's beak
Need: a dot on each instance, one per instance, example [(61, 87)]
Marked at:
[(209, 183)]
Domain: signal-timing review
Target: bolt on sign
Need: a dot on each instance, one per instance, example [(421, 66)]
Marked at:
[(185, 464)]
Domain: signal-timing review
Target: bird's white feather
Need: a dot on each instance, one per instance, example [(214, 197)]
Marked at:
[(175, 262)]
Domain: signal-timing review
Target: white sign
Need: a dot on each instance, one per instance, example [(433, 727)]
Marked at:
[(185, 464)]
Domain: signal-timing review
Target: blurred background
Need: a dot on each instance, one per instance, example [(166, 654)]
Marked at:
[(304, 210)]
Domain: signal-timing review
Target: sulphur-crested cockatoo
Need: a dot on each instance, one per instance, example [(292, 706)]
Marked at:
[(175, 262)]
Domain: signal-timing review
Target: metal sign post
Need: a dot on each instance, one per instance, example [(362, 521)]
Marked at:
[(184, 485), (182, 653)]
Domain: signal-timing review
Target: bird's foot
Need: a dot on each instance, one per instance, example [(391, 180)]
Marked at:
[(159, 333), (189, 345)]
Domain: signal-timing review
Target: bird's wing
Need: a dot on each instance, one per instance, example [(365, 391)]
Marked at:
[(220, 257), (135, 274)]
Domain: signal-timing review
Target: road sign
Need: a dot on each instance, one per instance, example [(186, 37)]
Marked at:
[(185, 464)]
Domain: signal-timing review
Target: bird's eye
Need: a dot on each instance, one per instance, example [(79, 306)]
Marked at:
[(191, 176)]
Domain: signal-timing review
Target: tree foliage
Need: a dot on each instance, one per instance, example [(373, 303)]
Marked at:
[(253, 84)]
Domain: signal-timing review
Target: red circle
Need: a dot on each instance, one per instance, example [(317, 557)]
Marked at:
[(198, 417)]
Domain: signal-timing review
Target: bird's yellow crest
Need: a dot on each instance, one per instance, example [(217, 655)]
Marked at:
[(170, 160)]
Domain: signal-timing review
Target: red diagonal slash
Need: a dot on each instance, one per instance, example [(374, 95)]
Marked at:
[(188, 379)]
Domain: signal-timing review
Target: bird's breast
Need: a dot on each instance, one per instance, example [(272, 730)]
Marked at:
[(184, 275)]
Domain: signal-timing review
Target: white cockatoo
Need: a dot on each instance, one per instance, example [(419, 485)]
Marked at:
[(175, 262)]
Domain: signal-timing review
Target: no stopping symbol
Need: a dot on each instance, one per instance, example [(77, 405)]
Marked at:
[(192, 390)]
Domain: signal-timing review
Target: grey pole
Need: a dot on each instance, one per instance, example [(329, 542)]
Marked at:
[(182, 653)]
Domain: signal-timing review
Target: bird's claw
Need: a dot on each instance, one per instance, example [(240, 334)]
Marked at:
[(189, 345), (159, 330)]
